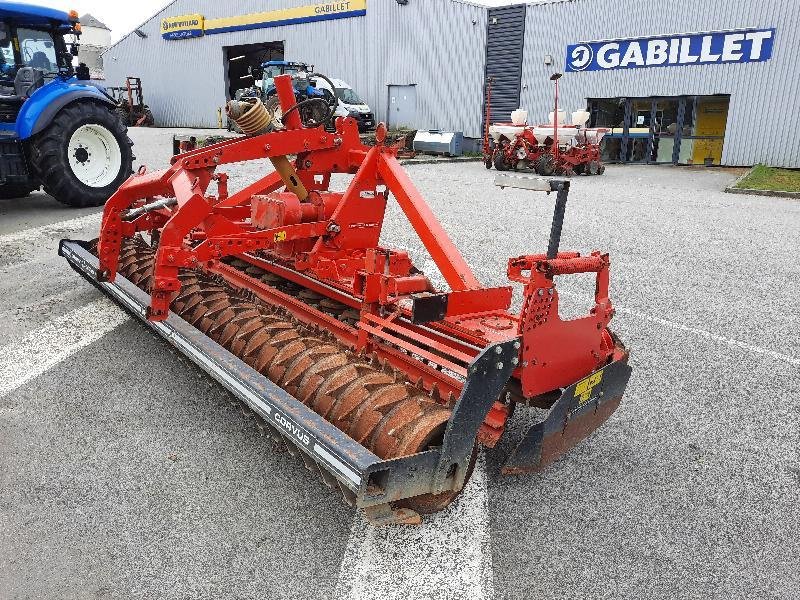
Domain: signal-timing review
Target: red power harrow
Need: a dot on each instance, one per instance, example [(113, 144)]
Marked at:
[(341, 347)]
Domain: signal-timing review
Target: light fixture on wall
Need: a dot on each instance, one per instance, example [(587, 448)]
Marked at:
[(402, 2), (548, 59), (140, 33)]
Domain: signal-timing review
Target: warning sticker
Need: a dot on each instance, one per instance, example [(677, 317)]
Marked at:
[(585, 387)]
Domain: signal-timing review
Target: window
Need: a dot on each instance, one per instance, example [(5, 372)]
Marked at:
[(678, 129), (8, 53), (7, 61), (37, 49), (348, 96), (270, 73)]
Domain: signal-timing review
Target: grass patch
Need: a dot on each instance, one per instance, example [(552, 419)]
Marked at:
[(771, 178)]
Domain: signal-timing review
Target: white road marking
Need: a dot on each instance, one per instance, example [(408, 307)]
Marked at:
[(792, 360), (448, 557), (714, 337), (33, 235), (30, 356)]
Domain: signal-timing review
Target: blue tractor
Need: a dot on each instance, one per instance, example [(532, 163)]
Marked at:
[(57, 129), (305, 88)]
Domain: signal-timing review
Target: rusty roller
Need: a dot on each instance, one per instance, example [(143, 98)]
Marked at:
[(375, 405)]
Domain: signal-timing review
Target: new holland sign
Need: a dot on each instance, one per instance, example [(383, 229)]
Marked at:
[(188, 26), (716, 47), (179, 28)]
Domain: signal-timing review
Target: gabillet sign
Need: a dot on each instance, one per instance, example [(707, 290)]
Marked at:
[(676, 50)]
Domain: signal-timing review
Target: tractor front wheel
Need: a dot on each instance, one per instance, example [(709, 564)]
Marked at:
[(84, 155)]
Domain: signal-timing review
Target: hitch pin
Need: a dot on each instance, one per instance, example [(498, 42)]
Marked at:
[(134, 213)]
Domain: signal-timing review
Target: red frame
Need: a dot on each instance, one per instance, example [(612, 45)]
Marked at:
[(340, 257)]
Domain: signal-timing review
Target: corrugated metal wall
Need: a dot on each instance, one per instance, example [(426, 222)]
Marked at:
[(439, 45), (505, 45), (762, 114)]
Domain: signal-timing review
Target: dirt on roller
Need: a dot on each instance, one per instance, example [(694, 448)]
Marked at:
[(375, 405)]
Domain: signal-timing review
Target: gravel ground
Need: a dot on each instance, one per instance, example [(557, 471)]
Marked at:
[(124, 473)]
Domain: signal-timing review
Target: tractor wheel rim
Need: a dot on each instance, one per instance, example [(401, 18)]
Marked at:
[(94, 155)]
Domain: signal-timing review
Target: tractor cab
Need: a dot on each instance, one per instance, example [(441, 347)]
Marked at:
[(33, 49), (271, 69)]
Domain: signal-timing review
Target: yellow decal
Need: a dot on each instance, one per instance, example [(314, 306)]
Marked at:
[(185, 26), (341, 9), (280, 236), (583, 390)]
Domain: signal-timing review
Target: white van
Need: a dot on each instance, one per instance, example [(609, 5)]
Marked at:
[(350, 105)]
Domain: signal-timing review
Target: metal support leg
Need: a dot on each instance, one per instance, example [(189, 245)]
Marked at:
[(562, 187)]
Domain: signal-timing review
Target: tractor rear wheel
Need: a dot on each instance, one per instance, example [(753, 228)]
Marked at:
[(84, 155), (15, 190), (273, 106)]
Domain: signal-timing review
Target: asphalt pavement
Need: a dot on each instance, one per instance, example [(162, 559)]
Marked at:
[(126, 473)]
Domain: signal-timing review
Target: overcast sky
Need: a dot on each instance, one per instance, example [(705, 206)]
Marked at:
[(122, 17)]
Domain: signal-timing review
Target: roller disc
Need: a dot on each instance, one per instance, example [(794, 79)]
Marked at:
[(373, 404)]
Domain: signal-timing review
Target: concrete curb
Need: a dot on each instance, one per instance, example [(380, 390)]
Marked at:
[(732, 189)]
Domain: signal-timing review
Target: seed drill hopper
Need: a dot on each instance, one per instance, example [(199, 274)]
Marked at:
[(344, 350)]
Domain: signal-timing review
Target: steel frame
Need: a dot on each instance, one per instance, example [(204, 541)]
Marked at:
[(438, 339)]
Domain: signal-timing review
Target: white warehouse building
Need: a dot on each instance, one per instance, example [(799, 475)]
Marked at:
[(691, 82)]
